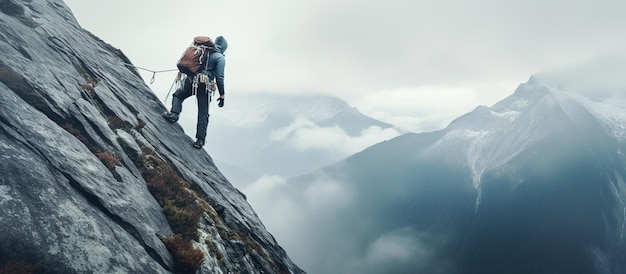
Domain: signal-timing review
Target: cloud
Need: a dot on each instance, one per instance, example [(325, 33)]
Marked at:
[(596, 78), (304, 134), (270, 192), (290, 214), (405, 250), (398, 246), (278, 210), (327, 194), (308, 221)]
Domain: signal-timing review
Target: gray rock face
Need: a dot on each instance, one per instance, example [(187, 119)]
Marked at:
[(79, 134)]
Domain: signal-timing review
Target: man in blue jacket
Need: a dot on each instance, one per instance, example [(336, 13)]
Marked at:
[(197, 84)]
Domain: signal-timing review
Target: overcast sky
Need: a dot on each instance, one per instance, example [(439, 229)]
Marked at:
[(415, 63)]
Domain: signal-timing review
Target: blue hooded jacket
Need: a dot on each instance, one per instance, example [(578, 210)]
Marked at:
[(217, 62)]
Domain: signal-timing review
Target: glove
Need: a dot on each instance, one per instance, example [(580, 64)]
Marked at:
[(220, 102)]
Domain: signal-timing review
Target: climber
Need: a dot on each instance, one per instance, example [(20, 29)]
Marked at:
[(202, 84)]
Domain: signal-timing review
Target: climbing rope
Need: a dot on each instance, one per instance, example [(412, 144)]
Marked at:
[(178, 81), (154, 72)]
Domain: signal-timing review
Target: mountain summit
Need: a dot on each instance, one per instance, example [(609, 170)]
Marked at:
[(533, 184), (93, 179)]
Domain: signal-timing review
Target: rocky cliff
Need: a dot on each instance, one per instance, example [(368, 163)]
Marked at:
[(92, 178)]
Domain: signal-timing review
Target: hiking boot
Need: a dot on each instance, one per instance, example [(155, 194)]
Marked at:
[(170, 116), (199, 143)]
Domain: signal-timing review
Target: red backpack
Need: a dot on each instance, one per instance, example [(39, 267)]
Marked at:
[(192, 58)]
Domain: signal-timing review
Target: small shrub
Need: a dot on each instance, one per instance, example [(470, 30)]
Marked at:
[(187, 258), (108, 159), (180, 221)]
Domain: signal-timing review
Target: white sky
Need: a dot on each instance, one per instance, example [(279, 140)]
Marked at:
[(417, 64)]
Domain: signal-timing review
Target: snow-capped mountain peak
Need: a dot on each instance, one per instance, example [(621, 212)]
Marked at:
[(489, 137)]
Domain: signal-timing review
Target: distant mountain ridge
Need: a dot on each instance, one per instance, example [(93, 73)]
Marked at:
[(253, 109), (534, 184), (243, 133)]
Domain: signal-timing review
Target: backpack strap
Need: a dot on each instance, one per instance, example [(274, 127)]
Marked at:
[(208, 58)]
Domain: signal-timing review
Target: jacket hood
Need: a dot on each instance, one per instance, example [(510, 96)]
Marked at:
[(221, 44)]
